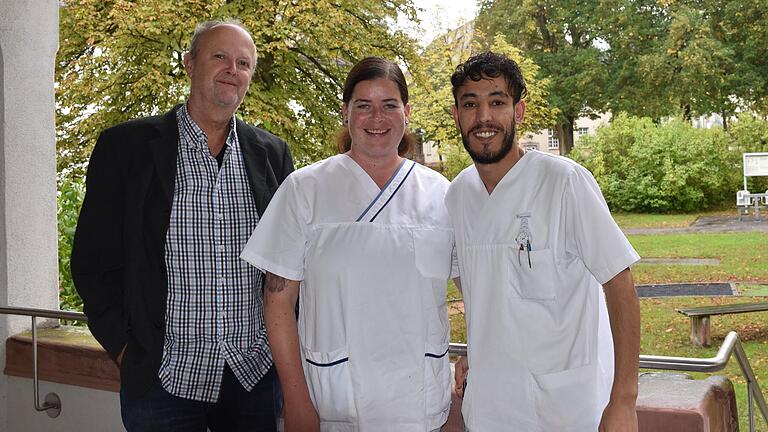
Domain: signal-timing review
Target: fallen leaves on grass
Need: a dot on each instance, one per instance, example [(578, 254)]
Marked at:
[(752, 331)]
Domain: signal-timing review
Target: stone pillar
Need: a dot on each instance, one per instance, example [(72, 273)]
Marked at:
[(29, 34)]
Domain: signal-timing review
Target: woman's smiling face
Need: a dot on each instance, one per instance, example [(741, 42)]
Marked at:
[(376, 117)]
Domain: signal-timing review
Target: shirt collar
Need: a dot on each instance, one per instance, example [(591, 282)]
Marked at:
[(194, 135)]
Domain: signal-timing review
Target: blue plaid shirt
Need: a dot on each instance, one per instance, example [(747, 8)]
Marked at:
[(215, 302)]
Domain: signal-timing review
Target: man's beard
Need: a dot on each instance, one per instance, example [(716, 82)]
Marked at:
[(486, 156)]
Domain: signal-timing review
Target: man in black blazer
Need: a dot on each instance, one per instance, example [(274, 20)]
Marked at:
[(171, 201)]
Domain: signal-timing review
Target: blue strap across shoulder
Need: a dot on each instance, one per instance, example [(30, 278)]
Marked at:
[(387, 192)]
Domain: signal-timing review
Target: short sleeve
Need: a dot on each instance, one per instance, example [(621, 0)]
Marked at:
[(278, 243), (590, 231)]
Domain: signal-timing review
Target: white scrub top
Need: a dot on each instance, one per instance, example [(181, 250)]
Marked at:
[(373, 323), (533, 255)]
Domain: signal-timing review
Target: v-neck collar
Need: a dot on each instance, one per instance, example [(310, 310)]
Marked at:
[(363, 179), (483, 205)]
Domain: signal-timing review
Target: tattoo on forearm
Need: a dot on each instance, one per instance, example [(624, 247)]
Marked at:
[(275, 283)]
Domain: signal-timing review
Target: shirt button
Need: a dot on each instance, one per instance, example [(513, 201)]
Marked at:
[(219, 216)]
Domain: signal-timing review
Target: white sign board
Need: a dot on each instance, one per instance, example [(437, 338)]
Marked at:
[(755, 164)]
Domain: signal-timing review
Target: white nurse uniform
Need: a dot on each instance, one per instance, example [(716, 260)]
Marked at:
[(373, 265), (533, 255)]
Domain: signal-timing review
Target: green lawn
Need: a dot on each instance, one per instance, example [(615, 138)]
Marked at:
[(743, 259), (638, 220)]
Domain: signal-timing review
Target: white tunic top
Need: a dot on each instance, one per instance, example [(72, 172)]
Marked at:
[(533, 255), (373, 323)]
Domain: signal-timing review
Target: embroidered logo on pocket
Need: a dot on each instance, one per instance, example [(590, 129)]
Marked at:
[(524, 239)]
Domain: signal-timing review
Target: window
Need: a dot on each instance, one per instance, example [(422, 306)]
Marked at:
[(552, 140), (583, 131)]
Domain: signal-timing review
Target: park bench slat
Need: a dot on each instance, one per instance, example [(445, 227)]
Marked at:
[(700, 317), (723, 309)]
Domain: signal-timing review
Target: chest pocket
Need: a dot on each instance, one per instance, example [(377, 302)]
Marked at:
[(534, 279), (433, 249)]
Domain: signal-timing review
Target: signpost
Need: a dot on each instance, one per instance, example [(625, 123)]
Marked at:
[(755, 165)]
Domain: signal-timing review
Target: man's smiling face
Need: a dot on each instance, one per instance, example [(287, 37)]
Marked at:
[(486, 115), (221, 69)]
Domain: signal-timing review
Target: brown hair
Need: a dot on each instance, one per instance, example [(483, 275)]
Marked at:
[(367, 69)]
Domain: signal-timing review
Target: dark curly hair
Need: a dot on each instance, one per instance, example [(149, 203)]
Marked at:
[(490, 65)]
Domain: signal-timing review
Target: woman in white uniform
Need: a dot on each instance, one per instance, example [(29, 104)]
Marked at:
[(362, 240)]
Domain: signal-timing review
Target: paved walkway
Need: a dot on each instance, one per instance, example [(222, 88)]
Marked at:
[(711, 224)]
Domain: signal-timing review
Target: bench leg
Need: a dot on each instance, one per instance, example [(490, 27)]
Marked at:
[(700, 331)]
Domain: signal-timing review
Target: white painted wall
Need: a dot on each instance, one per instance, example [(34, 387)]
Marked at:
[(82, 409), (28, 260)]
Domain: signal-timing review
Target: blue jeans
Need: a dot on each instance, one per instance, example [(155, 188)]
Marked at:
[(237, 410)]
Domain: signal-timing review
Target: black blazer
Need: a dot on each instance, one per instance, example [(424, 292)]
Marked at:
[(117, 264)]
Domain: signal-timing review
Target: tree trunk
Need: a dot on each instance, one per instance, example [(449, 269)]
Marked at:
[(565, 135), (687, 112), (725, 120)]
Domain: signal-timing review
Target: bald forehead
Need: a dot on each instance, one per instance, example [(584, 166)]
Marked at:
[(235, 30), (228, 28)]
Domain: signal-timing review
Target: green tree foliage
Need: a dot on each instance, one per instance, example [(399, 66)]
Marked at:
[(122, 59), (560, 36), (643, 167), (643, 57), (694, 69), (432, 95), (740, 27), (697, 56), (632, 31), (430, 90)]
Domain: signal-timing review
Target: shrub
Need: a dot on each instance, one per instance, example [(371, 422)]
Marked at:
[(70, 198), (456, 159), (644, 167)]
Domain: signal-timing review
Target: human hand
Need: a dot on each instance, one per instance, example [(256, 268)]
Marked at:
[(618, 417), (302, 418), (461, 370)]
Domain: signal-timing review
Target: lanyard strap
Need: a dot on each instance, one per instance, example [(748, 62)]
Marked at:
[(387, 192)]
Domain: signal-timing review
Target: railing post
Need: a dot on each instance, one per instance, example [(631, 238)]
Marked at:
[(52, 403), (750, 389), (754, 394)]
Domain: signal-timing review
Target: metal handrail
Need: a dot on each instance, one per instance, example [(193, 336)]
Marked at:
[(44, 313), (52, 403), (730, 345)]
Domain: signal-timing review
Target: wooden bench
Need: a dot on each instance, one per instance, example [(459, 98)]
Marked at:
[(700, 317)]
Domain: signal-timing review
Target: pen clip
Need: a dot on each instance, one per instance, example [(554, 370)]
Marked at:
[(528, 247)]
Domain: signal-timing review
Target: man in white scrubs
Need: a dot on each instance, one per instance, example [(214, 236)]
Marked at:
[(536, 241)]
